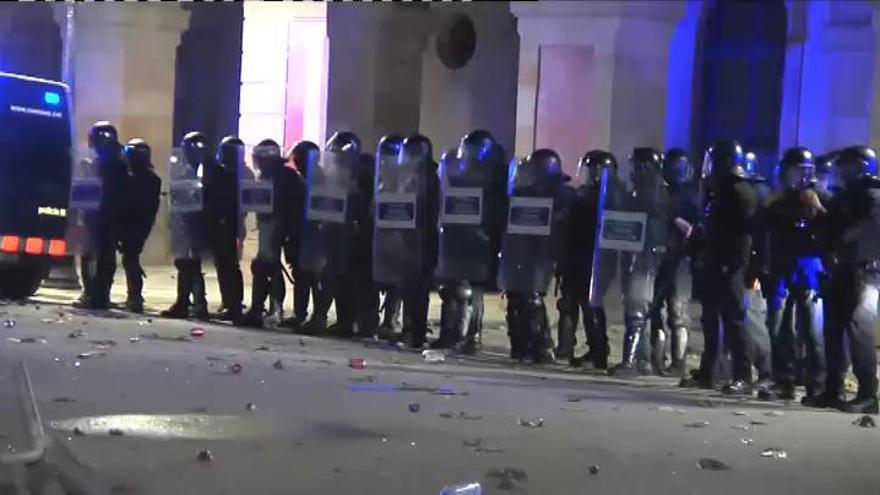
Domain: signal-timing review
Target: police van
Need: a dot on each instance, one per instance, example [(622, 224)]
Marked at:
[(35, 172)]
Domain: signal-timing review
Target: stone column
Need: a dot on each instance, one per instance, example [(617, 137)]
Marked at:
[(592, 75), (123, 69)]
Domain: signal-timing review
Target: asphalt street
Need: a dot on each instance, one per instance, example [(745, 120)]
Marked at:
[(131, 403)]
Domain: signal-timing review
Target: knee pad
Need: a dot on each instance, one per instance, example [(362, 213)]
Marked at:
[(534, 302), (464, 292)]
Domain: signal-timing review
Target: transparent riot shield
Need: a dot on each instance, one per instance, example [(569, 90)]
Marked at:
[(398, 237), (527, 251), (186, 208), (256, 195), (464, 246), (333, 201), (84, 224)]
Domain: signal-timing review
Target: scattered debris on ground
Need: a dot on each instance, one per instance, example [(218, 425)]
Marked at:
[(414, 407), (774, 414), (746, 441), (205, 456), (115, 432), (538, 423), (250, 406), (594, 469), (775, 453), (697, 424), (278, 365), (712, 464), (357, 363), (508, 478), (669, 409), (432, 356), (865, 422)]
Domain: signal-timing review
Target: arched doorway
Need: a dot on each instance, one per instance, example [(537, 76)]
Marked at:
[(740, 62)]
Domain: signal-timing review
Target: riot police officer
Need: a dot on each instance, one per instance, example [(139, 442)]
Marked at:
[(725, 239), (305, 285), (225, 222), (640, 263), (273, 225), (142, 196), (853, 289), (795, 315), (189, 235), (405, 235), (335, 205), (531, 246), (104, 225), (598, 184), (473, 183), (672, 288)]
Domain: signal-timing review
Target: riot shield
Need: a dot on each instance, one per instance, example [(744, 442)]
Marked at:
[(597, 271), (84, 225), (332, 203), (186, 208), (256, 195), (399, 236), (527, 256), (465, 216)]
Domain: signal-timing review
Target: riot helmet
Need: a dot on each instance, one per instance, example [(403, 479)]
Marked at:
[(825, 175), (417, 145), (590, 167), (647, 164), (796, 169), (267, 157), (344, 141), (543, 166), (195, 147), (104, 140), (854, 163), (138, 154), (677, 169), (476, 145), (389, 145), (230, 152), (304, 154), (724, 160)]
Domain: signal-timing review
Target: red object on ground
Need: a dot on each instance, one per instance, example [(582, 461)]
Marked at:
[(197, 332), (358, 363)]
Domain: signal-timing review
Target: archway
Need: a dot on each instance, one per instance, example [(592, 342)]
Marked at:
[(740, 63)]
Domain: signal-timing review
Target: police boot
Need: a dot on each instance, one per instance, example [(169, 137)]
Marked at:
[(538, 328), (595, 327), (825, 400), (180, 308), (631, 340), (513, 317), (566, 328), (200, 302), (678, 350), (390, 314), (454, 317), (134, 281)]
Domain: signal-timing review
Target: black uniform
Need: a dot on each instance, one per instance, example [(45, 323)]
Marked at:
[(575, 270), (794, 309), (142, 196), (305, 285), (639, 268), (853, 290), (189, 236), (225, 222), (331, 239), (98, 265), (725, 237), (405, 250), (273, 226), (672, 288), (470, 237), (531, 247)]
